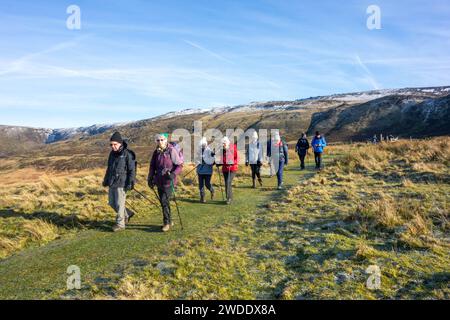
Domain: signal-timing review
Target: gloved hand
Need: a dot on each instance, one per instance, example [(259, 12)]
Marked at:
[(150, 182), (246, 163), (104, 183), (259, 163), (129, 186), (170, 175)]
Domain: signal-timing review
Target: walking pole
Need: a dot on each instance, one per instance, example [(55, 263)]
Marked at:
[(228, 187), (144, 203), (176, 204), (190, 172), (130, 206), (220, 183), (145, 197), (156, 194), (140, 198)]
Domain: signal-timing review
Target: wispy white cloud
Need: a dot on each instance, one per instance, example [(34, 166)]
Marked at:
[(369, 76), (22, 63), (211, 53), (273, 50)]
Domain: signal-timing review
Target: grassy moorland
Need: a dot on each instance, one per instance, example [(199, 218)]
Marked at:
[(383, 205)]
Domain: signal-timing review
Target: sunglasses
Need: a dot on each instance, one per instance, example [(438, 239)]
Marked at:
[(159, 140)]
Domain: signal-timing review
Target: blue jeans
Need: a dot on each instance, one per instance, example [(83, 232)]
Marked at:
[(318, 159), (204, 180), (280, 173)]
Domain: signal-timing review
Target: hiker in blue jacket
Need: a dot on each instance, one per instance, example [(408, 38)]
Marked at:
[(318, 143), (205, 160)]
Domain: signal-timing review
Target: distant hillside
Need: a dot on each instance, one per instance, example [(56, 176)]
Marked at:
[(18, 139), (402, 116), (416, 112)]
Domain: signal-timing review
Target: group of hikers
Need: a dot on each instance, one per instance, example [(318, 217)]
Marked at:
[(166, 164), (388, 138)]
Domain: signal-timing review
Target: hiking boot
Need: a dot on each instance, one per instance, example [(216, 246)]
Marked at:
[(280, 187), (260, 182), (130, 215), (117, 228), (165, 228), (212, 194), (228, 201), (254, 184), (202, 198)]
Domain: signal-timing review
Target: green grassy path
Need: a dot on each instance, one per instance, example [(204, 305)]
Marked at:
[(40, 272)]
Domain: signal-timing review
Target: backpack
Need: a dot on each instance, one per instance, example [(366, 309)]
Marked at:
[(132, 154), (302, 143), (179, 151)]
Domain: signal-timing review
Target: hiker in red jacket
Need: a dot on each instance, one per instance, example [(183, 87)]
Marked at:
[(229, 163)]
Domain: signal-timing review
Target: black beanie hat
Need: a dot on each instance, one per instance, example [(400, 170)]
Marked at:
[(117, 137)]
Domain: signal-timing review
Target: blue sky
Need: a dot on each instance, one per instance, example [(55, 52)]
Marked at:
[(134, 59)]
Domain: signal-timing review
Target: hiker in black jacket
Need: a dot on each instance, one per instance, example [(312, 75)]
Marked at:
[(119, 177), (302, 150)]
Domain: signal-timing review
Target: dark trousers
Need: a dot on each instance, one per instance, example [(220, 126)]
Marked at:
[(280, 173), (302, 159), (164, 196), (228, 177), (318, 159), (204, 180), (256, 172)]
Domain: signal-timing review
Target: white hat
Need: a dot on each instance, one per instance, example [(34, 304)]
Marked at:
[(225, 140), (203, 141), (277, 137)]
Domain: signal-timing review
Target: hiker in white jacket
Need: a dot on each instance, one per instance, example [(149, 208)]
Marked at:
[(205, 163), (254, 158)]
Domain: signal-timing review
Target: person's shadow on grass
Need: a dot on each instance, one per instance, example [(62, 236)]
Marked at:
[(143, 227), (59, 220), (214, 202)]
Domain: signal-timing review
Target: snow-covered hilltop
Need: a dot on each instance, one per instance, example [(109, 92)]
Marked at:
[(317, 104), (67, 133), (45, 135), (350, 98)]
